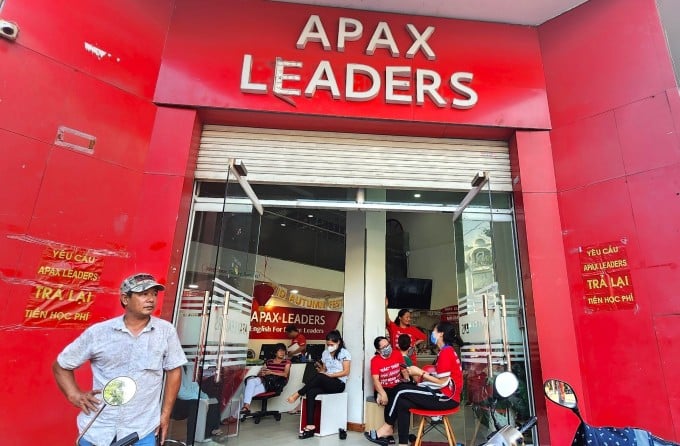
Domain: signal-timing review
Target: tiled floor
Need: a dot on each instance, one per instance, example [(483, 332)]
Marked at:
[(285, 431)]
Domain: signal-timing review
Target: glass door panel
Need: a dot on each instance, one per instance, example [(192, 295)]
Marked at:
[(473, 269), (491, 321), (213, 321)]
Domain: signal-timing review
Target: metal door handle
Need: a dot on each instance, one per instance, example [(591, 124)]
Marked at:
[(223, 333), (200, 351)]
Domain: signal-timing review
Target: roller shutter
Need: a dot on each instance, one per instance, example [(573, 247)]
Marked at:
[(275, 156)]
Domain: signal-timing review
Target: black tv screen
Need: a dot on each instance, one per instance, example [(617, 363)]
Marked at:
[(314, 351), (414, 294)]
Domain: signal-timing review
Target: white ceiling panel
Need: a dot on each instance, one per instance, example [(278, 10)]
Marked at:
[(521, 12)]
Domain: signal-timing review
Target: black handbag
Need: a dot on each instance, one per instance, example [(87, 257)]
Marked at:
[(274, 383)]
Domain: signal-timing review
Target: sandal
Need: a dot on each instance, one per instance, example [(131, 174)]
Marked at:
[(372, 436), (230, 420), (306, 433)]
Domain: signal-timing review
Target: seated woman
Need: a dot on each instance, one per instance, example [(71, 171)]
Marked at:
[(386, 370), (186, 408), (333, 371), (278, 366), (436, 391)]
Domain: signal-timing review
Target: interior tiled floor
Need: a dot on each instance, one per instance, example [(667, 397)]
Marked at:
[(285, 431)]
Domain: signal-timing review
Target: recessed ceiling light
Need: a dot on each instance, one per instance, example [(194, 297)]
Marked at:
[(416, 195), (310, 215), (193, 286), (294, 291), (283, 224)]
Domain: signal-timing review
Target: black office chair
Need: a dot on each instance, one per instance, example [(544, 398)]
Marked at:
[(263, 412)]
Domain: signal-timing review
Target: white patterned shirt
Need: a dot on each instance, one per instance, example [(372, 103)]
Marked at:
[(114, 351), (335, 365)]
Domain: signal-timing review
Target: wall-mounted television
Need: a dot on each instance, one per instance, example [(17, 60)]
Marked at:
[(414, 294)]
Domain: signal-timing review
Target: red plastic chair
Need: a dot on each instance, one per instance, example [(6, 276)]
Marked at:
[(427, 415)]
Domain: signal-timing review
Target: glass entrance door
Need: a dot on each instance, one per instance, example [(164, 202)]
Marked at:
[(471, 264), (213, 318), (490, 314), (466, 272)]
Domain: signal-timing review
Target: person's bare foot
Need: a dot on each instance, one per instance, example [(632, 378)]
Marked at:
[(293, 398)]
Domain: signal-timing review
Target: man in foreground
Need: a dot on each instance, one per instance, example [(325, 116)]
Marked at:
[(137, 345)]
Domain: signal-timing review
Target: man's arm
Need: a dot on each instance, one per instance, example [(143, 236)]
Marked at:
[(173, 379), (294, 349), (66, 380)]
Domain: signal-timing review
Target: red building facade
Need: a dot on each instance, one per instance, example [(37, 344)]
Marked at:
[(588, 102)]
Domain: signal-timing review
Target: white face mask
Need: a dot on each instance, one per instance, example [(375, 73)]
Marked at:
[(332, 348)]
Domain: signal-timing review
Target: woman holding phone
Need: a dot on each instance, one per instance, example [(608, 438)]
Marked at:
[(333, 371), (277, 368)]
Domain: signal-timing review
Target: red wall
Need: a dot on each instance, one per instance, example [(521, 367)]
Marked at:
[(115, 200), (550, 328), (616, 115)]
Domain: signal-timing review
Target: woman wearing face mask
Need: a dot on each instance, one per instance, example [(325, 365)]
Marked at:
[(386, 371), (332, 376), (437, 391)]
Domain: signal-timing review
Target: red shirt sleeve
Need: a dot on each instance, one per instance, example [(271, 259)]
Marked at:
[(375, 365), (392, 330), (416, 335)]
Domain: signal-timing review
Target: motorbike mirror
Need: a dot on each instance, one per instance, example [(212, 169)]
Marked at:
[(506, 384), (116, 392), (119, 391), (560, 392)]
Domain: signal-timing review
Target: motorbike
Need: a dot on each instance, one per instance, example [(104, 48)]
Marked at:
[(116, 392), (504, 386), (562, 394)]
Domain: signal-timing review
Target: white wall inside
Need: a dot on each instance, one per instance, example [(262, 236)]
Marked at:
[(283, 272), (431, 253)]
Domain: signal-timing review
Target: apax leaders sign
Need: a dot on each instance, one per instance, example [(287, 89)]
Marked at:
[(269, 322)]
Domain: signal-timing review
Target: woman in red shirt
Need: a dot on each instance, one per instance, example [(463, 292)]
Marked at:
[(436, 391), (385, 370), (402, 325)]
